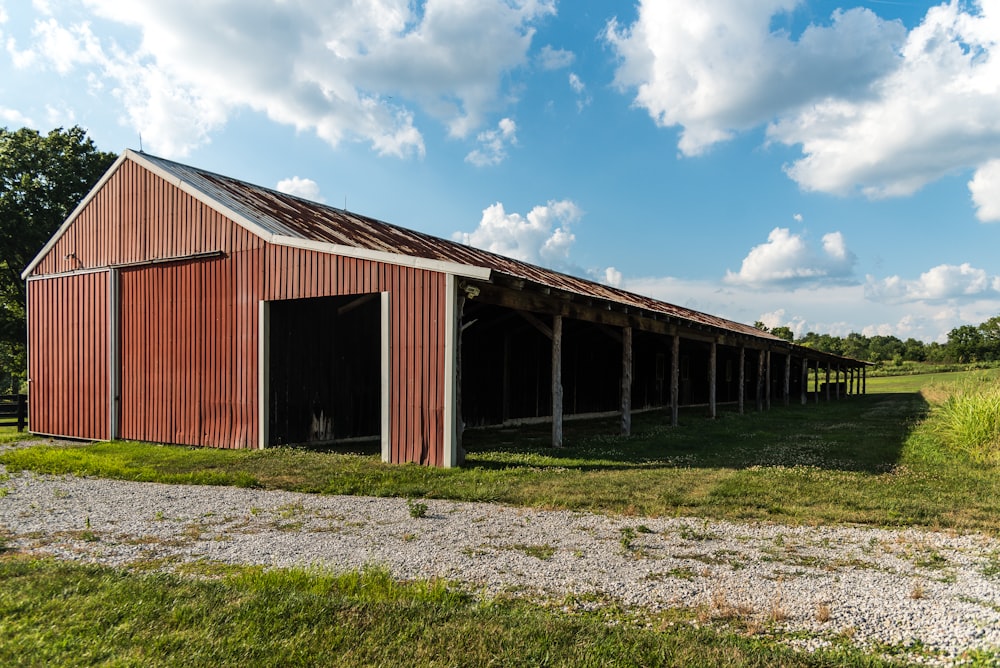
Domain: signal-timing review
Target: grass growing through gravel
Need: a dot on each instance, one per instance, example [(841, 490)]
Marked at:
[(868, 460), (56, 613)]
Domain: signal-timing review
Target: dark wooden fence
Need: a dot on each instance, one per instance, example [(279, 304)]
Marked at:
[(14, 411)]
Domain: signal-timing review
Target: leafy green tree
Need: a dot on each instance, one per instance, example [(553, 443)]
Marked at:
[(965, 344), (42, 179), (785, 333), (990, 333)]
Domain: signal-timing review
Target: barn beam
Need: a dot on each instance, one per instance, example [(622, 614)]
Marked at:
[(557, 388), (804, 390), (713, 361), (675, 376), (626, 426), (786, 393), (767, 383), (743, 373)]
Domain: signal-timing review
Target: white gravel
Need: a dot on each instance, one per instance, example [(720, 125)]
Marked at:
[(935, 593)]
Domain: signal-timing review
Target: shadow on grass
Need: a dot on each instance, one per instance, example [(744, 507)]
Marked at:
[(859, 433)]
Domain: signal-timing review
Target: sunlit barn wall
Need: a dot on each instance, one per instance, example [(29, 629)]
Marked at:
[(189, 328)]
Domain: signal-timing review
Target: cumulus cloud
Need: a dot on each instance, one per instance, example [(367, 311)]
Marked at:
[(985, 189), (942, 283), (582, 96), (936, 111), (718, 68), (555, 59), (493, 144), (304, 188), (875, 109), (344, 70), (14, 118), (787, 259), (544, 236)]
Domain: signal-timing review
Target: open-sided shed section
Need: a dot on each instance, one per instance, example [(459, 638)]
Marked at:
[(179, 306)]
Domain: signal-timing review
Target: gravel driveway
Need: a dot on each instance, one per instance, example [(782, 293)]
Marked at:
[(937, 590)]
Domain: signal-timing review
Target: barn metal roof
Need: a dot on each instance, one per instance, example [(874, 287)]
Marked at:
[(293, 221), (281, 215)]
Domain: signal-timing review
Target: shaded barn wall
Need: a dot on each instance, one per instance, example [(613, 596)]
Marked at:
[(68, 355), (189, 330)]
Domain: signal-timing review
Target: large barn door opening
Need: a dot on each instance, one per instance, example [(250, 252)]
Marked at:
[(324, 368)]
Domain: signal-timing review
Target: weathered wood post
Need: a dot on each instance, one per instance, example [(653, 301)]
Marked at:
[(675, 378), (788, 378), (767, 384), (626, 381), (804, 390), (760, 380), (743, 373), (713, 357), (829, 366), (557, 388)]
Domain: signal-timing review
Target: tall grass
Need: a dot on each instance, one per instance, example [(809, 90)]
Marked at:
[(965, 417)]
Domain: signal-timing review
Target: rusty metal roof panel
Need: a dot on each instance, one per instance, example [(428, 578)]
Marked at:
[(286, 215)]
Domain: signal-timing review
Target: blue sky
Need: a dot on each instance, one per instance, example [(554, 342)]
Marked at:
[(831, 167)]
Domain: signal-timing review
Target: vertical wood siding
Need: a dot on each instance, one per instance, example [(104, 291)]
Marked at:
[(416, 338), (68, 348), (189, 352), (188, 337)]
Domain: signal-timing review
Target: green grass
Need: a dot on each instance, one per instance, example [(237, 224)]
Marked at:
[(11, 435), (967, 420), (865, 460), (56, 613)]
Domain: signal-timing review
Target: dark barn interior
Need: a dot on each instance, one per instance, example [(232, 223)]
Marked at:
[(324, 369)]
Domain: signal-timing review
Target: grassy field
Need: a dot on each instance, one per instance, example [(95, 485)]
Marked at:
[(873, 460), (865, 460)]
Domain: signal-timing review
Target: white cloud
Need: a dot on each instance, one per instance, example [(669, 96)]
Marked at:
[(493, 144), (718, 68), (786, 259), (342, 69), (797, 217), (544, 236), (939, 284), (304, 188), (582, 97), (14, 118), (875, 109), (936, 111), (612, 277), (555, 59), (985, 189)]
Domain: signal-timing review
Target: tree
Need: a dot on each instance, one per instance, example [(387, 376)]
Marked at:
[(965, 344), (783, 332), (42, 179)]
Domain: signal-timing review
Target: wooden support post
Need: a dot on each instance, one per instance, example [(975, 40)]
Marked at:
[(760, 380), (713, 360), (767, 385), (743, 373), (816, 383), (675, 379), (836, 383), (829, 366), (626, 381), (864, 380), (557, 388), (505, 400), (805, 381), (788, 378)]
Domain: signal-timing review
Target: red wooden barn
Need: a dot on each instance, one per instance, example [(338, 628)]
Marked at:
[(179, 306)]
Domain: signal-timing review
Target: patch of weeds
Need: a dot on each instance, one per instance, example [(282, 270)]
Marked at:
[(475, 551), (626, 538), (823, 613), (687, 532), (409, 537), (60, 493), (3, 492), (642, 528), (543, 552), (991, 567), (917, 592), (417, 508), (678, 572), (159, 516), (290, 510)]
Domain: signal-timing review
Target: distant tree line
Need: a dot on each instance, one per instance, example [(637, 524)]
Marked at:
[(966, 344)]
